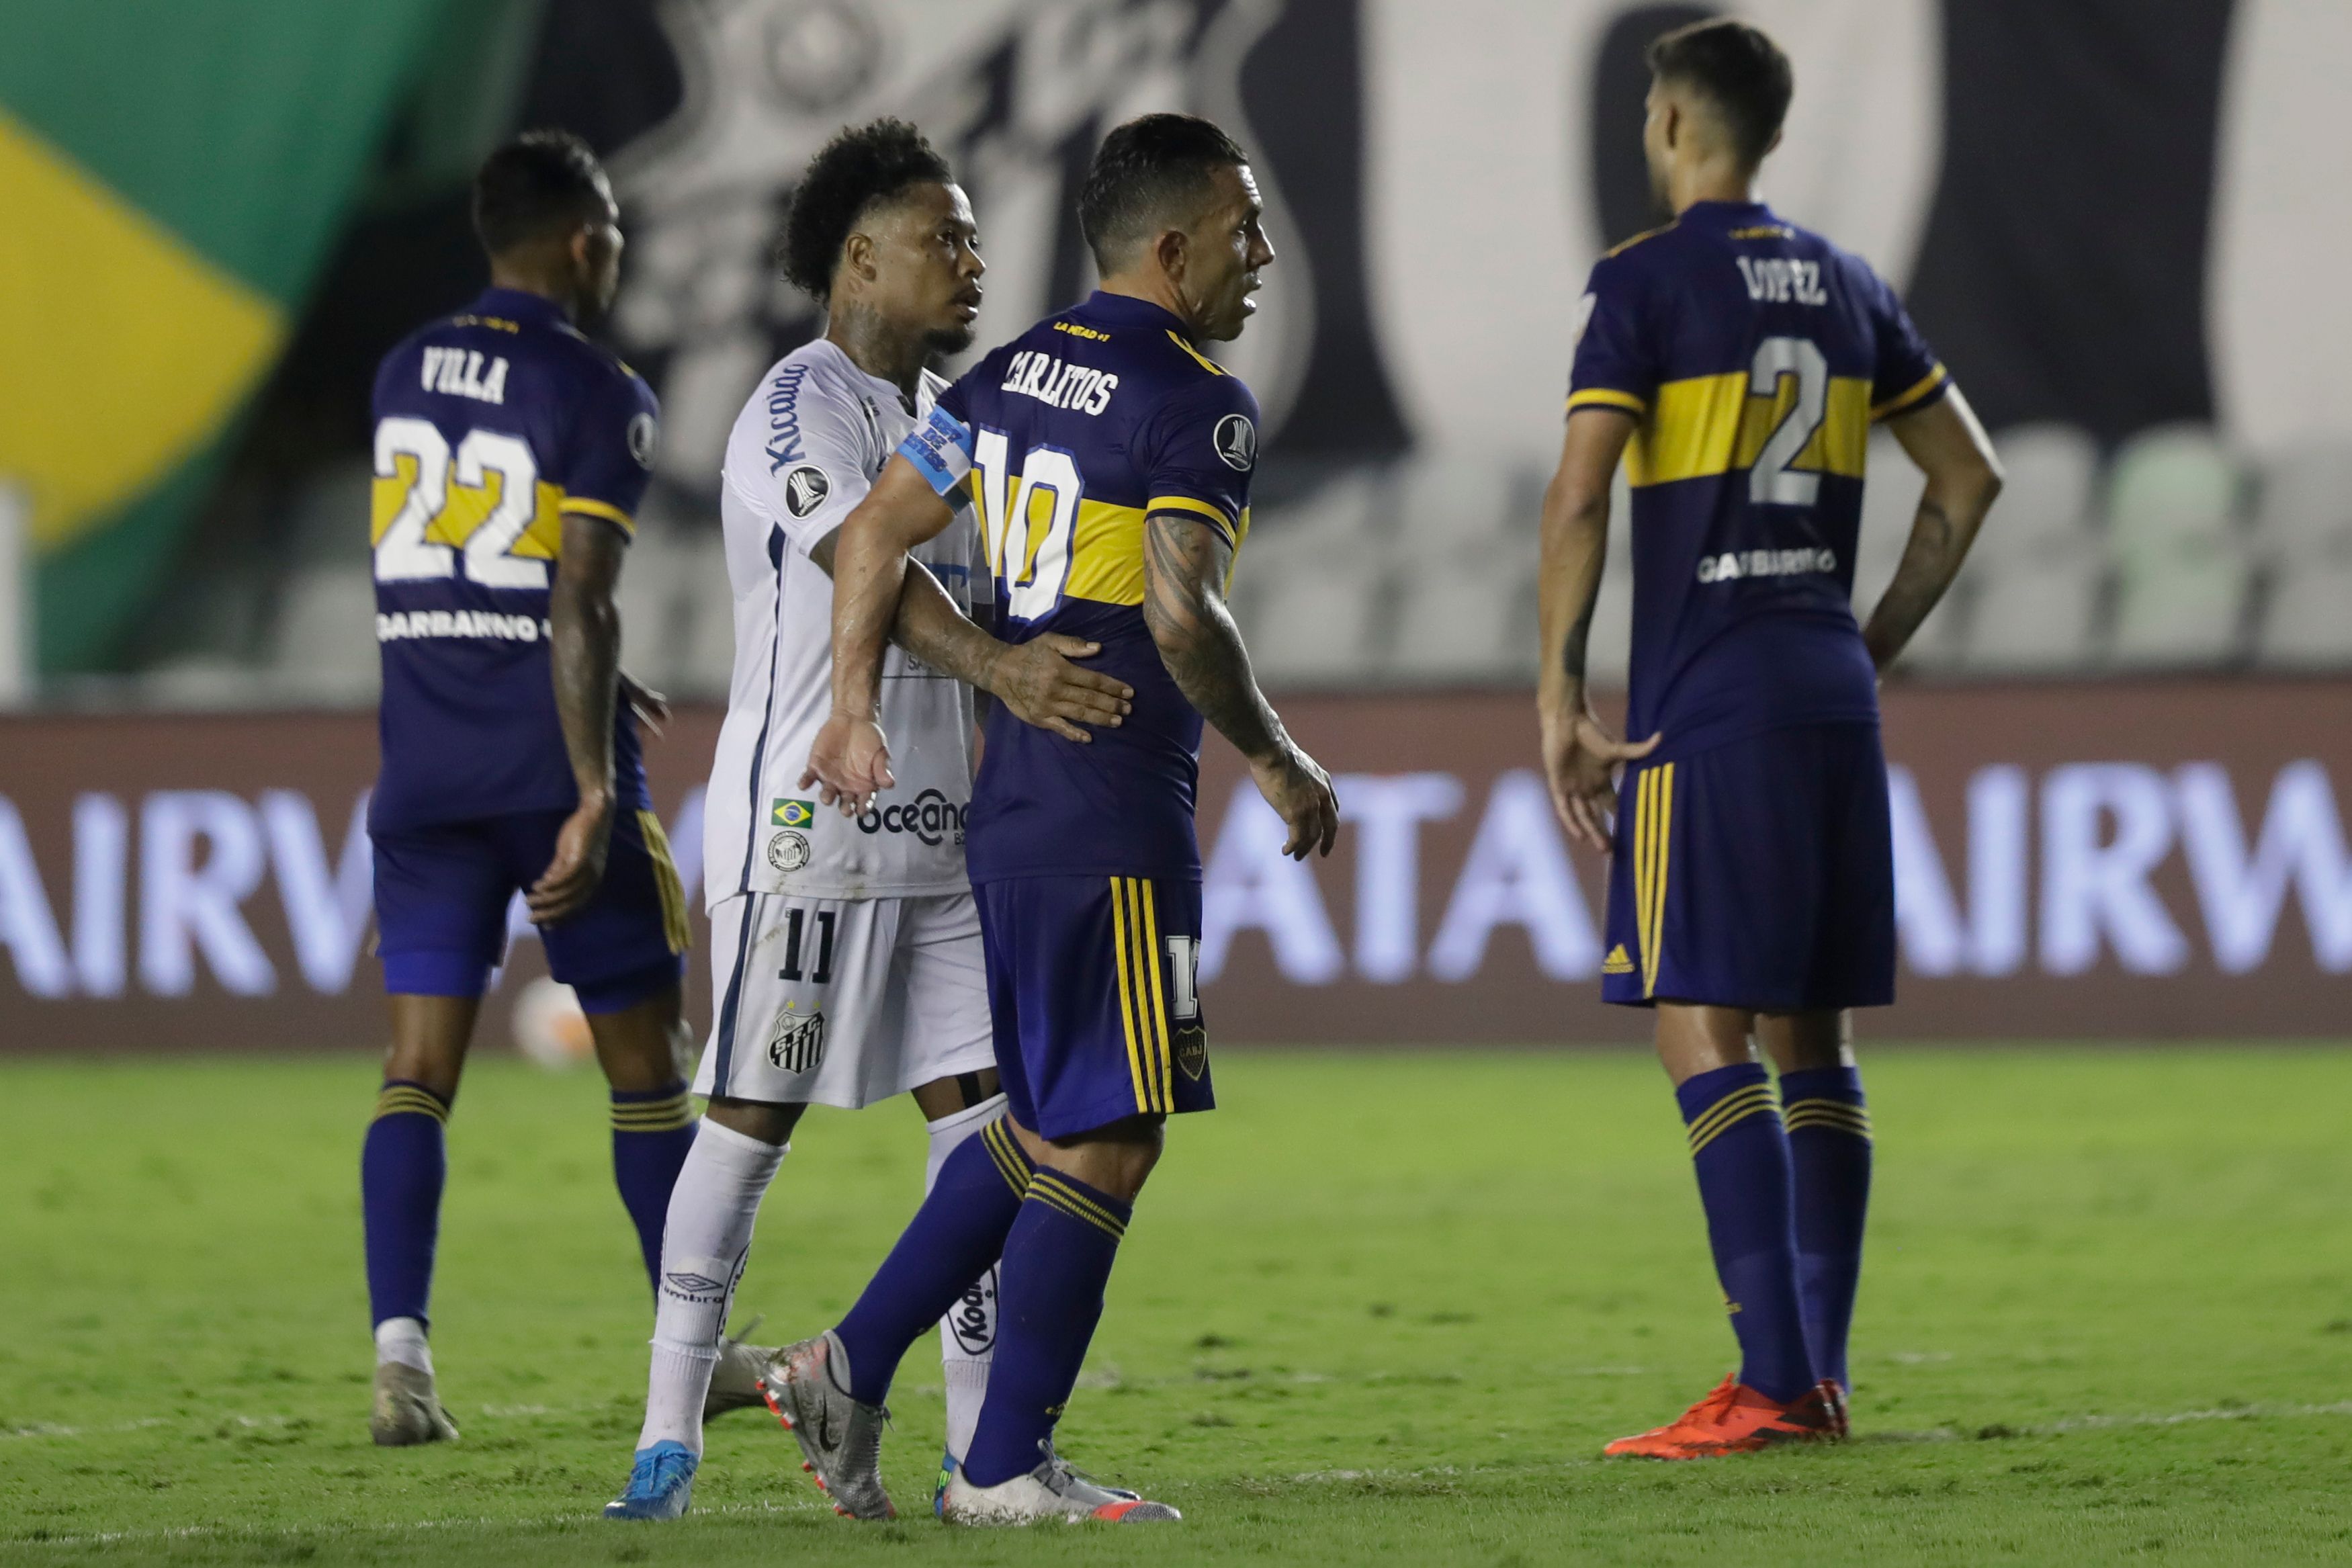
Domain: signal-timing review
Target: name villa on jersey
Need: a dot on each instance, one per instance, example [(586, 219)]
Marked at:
[(1058, 383), (459, 374)]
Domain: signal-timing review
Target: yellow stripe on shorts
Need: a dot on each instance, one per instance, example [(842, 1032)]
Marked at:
[(1654, 809), (675, 929), (1162, 1056), (1121, 940)]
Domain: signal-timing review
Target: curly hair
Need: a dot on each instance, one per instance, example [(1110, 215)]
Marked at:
[(860, 167)]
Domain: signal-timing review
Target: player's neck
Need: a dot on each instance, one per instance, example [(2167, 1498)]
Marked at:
[(531, 280), (1709, 180), (874, 347), (1157, 288)]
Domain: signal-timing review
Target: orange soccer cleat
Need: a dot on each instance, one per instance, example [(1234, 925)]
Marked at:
[(1736, 1419)]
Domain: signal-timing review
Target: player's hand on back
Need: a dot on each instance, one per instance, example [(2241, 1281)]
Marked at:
[(572, 878), (1037, 680), (850, 762), (1300, 791), (1582, 756)]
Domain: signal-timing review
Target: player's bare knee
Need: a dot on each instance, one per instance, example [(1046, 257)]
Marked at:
[(1797, 1042), (645, 1046), (770, 1122), (1117, 1158), (429, 1037)]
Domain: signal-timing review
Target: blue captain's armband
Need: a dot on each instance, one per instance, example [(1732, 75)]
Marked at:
[(941, 449)]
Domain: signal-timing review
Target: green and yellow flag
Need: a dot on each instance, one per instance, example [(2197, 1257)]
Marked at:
[(171, 173)]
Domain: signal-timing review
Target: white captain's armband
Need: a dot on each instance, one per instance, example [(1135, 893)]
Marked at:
[(941, 449)]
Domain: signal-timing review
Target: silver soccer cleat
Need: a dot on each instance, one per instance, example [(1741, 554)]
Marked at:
[(406, 1409), (841, 1440), (735, 1381), (1053, 1490)]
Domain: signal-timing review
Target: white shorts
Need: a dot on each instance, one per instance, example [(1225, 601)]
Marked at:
[(843, 1002)]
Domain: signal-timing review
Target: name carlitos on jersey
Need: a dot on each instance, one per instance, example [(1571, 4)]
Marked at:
[(1077, 387), (459, 372)]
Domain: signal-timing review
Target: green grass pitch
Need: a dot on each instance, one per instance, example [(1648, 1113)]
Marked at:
[(1381, 1307)]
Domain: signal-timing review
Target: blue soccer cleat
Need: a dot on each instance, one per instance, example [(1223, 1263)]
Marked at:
[(661, 1483)]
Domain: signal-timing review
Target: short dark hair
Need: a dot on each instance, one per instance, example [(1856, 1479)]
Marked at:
[(1148, 172), (1739, 69), (858, 168), (542, 182)]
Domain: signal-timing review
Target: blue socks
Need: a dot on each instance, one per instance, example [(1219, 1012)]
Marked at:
[(1828, 1146), (1741, 1154), (652, 1130), (1050, 1297), (960, 1230), (402, 1165)]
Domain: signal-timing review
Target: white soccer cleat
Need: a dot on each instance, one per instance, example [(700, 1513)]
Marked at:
[(407, 1410), (1051, 1491)]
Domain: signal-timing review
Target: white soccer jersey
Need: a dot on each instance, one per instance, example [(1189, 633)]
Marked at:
[(805, 449)]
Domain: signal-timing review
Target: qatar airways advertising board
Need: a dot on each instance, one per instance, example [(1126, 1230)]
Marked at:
[(2130, 861)]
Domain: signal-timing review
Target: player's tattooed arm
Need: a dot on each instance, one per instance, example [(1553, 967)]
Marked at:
[(1185, 563), (1035, 679), (1963, 476), (1582, 755), (584, 647)]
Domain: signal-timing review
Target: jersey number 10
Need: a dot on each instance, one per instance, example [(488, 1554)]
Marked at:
[(1030, 554), (486, 522)]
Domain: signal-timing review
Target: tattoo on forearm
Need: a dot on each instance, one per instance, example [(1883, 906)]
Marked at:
[(1183, 564), (587, 655)]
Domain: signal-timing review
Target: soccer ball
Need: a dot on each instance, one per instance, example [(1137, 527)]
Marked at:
[(549, 1026)]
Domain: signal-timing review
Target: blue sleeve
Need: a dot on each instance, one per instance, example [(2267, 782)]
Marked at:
[(608, 451), (1616, 366), (1196, 452), (1906, 374)]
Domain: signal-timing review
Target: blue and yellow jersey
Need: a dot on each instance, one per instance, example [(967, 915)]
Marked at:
[(1069, 437), (1755, 356), (489, 427)]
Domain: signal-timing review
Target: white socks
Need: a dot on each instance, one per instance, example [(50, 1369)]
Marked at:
[(402, 1340), (967, 1333), (705, 1241)]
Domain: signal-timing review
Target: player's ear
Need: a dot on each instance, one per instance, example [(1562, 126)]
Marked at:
[(1171, 250), (858, 256)]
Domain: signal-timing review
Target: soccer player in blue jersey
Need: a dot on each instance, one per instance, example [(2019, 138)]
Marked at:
[(1736, 363), (510, 452), (1110, 460)]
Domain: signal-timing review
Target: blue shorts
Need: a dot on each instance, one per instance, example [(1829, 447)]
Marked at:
[(442, 892), (1758, 874), (1092, 997)]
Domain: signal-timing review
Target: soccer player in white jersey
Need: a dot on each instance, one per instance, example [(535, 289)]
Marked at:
[(845, 952)]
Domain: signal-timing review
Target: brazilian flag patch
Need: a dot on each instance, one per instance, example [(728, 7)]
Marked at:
[(791, 813)]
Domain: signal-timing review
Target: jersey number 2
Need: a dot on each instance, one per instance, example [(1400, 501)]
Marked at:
[(403, 553), (1029, 553), (1771, 481)]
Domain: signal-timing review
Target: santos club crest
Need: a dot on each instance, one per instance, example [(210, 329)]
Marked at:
[(797, 1042)]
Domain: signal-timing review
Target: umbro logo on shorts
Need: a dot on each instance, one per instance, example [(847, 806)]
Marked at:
[(797, 1042)]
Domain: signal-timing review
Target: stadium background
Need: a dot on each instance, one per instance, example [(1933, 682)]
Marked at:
[(1388, 1303), (2117, 746)]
